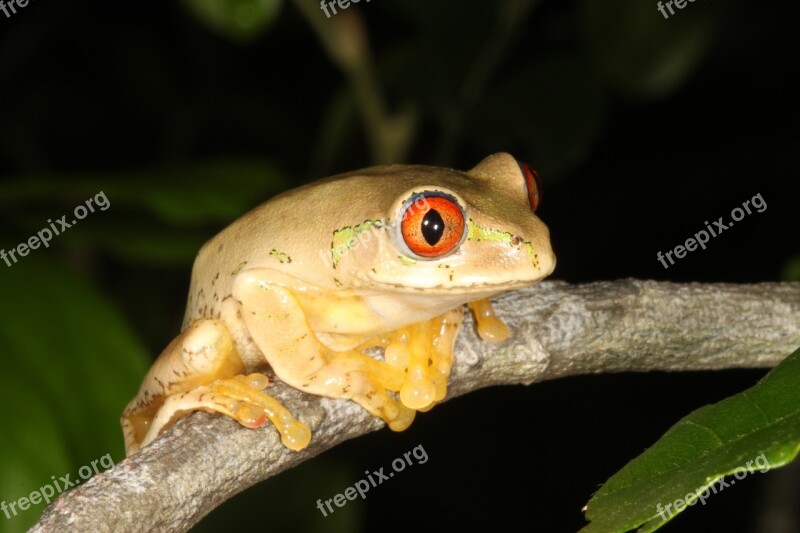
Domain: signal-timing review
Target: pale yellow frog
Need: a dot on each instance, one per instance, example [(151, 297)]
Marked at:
[(303, 284)]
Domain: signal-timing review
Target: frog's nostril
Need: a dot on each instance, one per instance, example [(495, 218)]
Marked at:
[(516, 240)]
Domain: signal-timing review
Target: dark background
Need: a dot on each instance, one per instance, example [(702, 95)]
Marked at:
[(187, 115)]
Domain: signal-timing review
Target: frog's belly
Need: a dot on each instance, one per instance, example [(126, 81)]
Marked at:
[(367, 315)]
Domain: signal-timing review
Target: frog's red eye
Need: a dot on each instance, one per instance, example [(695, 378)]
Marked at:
[(533, 183), (432, 225)]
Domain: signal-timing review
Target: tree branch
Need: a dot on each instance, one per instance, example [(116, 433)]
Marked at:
[(557, 330)]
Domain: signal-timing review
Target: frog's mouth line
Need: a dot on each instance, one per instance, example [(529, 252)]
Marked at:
[(488, 288)]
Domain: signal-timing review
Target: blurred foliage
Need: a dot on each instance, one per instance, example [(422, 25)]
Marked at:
[(646, 56), (240, 20), (159, 215), (216, 106), (66, 401), (791, 271)]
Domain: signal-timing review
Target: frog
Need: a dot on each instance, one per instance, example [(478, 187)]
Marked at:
[(352, 287)]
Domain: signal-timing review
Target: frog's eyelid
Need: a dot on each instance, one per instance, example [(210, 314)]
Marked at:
[(412, 199), (533, 184)]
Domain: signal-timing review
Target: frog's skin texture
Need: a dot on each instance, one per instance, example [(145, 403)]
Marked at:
[(307, 281)]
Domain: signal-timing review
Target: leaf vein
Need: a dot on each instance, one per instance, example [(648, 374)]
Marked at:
[(709, 430)]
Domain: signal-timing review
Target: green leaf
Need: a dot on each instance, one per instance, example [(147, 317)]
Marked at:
[(239, 20), (751, 432), (68, 367)]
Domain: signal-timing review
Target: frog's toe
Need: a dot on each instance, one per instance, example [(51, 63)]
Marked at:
[(418, 391), (490, 328), (403, 419), (253, 408), (396, 354), (380, 403), (396, 415), (256, 381)]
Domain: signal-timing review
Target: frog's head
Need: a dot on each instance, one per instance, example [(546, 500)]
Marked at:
[(467, 232)]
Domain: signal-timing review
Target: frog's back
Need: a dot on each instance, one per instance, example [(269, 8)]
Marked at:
[(291, 233)]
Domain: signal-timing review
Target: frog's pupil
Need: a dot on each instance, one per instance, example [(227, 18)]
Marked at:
[(432, 226)]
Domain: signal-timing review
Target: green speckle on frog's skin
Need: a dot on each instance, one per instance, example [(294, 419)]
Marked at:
[(346, 238), (238, 268), (479, 233), (280, 256), (407, 260)]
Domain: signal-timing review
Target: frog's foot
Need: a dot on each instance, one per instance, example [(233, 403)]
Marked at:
[(303, 362), (201, 370), (490, 328), (241, 398), (425, 352), (359, 377), (347, 375)]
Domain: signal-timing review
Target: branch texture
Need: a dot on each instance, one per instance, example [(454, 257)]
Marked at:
[(557, 330)]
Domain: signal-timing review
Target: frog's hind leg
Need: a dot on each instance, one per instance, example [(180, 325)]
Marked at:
[(201, 370), (278, 326)]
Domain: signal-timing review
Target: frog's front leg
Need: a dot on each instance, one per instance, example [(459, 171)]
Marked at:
[(201, 370), (489, 326), (277, 324), (424, 351)]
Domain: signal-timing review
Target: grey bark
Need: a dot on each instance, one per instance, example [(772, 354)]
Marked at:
[(557, 329)]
